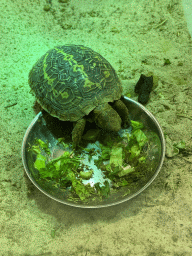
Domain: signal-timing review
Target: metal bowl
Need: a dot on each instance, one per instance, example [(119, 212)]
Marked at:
[(49, 129)]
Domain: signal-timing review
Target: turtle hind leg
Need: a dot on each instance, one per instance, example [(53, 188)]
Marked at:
[(123, 112), (78, 132)]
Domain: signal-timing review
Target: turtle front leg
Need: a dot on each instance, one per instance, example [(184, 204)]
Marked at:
[(123, 112), (78, 131)]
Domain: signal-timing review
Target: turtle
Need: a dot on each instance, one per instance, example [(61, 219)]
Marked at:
[(72, 82)]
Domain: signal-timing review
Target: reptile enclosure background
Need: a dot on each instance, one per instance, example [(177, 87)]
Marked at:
[(135, 36)]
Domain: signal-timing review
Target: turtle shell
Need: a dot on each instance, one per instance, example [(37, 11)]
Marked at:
[(70, 81)]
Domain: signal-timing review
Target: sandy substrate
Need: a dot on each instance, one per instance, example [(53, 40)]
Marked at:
[(135, 36)]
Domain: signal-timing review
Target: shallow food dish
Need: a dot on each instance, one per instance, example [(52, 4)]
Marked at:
[(50, 129)]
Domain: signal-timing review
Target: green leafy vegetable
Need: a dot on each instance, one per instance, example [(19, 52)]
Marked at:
[(135, 151), (126, 171), (86, 175), (57, 167), (103, 190), (136, 125), (39, 146), (81, 190), (40, 162), (105, 154), (140, 137), (122, 162), (116, 156)]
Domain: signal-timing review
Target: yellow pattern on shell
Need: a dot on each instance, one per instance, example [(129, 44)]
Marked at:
[(88, 83), (73, 62), (106, 73), (46, 77), (64, 95)]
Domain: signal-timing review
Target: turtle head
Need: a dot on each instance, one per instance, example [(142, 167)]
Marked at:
[(107, 118)]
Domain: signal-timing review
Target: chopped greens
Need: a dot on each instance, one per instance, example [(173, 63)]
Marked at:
[(116, 156), (122, 162), (140, 137), (86, 175), (136, 125)]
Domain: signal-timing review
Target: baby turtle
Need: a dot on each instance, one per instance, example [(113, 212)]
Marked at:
[(71, 81)]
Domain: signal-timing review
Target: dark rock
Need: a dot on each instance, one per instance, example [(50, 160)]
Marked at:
[(143, 88)]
